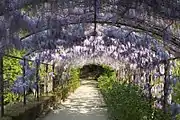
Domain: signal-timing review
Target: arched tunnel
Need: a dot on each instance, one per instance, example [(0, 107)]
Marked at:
[(91, 71), (66, 59)]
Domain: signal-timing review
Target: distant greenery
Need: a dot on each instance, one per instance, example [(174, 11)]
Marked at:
[(176, 89), (91, 71), (74, 79), (73, 82), (107, 79), (176, 96), (176, 69), (126, 101), (42, 71), (12, 69)]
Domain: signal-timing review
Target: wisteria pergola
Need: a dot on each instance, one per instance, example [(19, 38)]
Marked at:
[(70, 20), (141, 33)]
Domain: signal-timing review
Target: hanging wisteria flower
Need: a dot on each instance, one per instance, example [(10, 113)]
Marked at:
[(20, 86), (23, 83)]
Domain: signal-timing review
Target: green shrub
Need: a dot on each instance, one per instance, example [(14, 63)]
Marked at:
[(72, 84), (108, 71), (105, 82), (126, 101), (74, 81), (11, 69), (178, 117), (176, 95), (176, 89)]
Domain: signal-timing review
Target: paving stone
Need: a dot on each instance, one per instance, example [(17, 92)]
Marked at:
[(86, 103)]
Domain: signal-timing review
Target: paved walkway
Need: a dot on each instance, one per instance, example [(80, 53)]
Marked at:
[(86, 103)]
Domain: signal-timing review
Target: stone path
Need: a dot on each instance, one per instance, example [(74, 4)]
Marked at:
[(86, 103)]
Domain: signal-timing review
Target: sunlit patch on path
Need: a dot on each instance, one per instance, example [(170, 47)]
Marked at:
[(86, 103)]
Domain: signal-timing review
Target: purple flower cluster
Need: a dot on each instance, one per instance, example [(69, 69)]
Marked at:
[(25, 83), (19, 86)]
